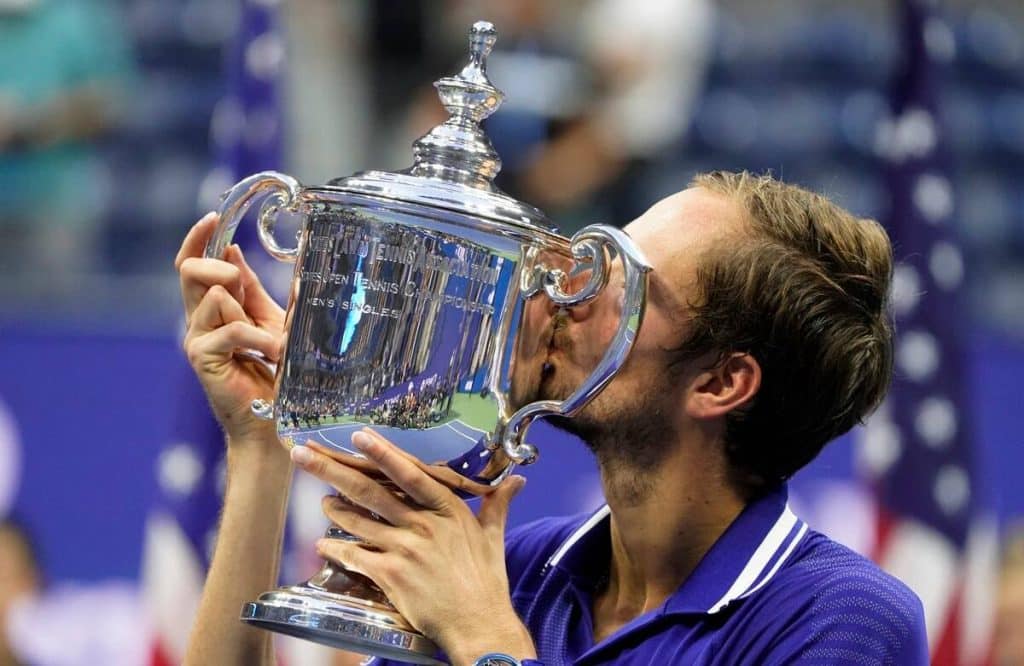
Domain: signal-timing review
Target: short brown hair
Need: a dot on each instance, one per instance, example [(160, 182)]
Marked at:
[(805, 294)]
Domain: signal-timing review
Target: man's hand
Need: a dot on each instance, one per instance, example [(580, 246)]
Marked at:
[(226, 309), (440, 565)]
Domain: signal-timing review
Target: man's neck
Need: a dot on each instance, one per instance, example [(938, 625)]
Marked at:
[(661, 527)]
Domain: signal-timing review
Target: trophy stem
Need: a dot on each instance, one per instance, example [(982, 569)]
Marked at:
[(342, 609), (339, 621)]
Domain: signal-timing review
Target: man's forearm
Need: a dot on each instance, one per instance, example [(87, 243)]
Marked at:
[(246, 557)]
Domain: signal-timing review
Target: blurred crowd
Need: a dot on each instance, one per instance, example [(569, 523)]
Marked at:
[(110, 113)]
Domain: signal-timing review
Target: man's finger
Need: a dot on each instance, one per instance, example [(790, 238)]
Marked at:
[(257, 301), (351, 555), (351, 519), (216, 308), (219, 326), (198, 276), (408, 476), (196, 239), (226, 339), (493, 514), (357, 487)]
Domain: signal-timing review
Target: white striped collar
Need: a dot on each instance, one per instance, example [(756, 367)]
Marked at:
[(767, 559), (750, 552), (578, 534)]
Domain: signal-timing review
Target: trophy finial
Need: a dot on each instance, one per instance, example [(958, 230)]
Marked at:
[(482, 37), (470, 92), (458, 149)]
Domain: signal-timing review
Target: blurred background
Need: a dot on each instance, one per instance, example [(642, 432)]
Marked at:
[(121, 122)]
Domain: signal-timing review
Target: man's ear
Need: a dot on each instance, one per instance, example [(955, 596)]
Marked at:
[(730, 384)]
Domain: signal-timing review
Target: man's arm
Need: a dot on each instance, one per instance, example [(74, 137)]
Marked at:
[(226, 309), (247, 556)]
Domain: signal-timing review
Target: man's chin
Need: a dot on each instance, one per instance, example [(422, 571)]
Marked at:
[(569, 425), (552, 391), (555, 384)]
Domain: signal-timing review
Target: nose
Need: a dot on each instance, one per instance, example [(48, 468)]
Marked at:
[(552, 307), (580, 312), (577, 312)]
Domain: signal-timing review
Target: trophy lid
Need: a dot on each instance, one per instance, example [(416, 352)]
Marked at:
[(454, 163)]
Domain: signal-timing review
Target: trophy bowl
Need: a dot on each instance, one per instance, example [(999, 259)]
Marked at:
[(420, 305)]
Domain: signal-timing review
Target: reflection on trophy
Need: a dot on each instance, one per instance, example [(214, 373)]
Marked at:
[(418, 308)]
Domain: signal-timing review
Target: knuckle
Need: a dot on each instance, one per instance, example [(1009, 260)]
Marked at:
[(359, 492), (421, 528), (407, 478), (405, 551), (218, 293), (187, 266), (317, 466), (338, 551), (235, 329), (399, 575), (192, 352), (389, 570), (231, 278)]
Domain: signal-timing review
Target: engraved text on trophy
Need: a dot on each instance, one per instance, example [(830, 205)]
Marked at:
[(393, 321)]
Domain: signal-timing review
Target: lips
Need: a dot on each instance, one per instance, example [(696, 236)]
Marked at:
[(558, 325), (558, 342)]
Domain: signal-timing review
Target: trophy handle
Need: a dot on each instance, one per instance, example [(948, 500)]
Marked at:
[(588, 248), (280, 190)]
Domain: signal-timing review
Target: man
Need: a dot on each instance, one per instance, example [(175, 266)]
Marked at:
[(1009, 643), (765, 337)]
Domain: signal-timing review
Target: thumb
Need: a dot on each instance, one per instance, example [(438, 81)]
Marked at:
[(494, 507)]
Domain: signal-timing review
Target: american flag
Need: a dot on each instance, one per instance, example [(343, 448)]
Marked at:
[(181, 528), (933, 528)]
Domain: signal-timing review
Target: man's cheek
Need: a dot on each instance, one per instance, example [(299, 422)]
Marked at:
[(598, 344)]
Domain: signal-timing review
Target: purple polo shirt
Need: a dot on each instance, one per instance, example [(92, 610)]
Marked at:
[(770, 591)]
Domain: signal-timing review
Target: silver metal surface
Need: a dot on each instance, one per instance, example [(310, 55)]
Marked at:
[(486, 203), (421, 305), (454, 163), (278, 192), (589, 242), (261, 407), (346, 623)]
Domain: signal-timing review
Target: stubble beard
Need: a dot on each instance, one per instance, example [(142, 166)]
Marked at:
[(629, 436)]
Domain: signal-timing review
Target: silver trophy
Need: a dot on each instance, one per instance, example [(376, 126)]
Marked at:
[(420, 306)]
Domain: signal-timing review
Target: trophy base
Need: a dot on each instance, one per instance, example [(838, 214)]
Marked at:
[(341, 622)]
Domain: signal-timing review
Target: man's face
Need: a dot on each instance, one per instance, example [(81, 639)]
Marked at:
[(674, 233)]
